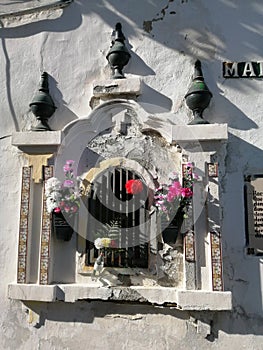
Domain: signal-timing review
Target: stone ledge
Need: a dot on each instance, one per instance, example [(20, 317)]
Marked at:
[(36, 138), (199, 133), (37, 141), (32, 292), (182, 299), (204, 300), (129, 86)]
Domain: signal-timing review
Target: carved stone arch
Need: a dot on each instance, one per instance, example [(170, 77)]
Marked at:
[(103, 111), (79, 133), (129, 164)]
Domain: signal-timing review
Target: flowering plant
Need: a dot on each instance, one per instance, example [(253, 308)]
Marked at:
[(63, 197), (171, 197), (108, 235)]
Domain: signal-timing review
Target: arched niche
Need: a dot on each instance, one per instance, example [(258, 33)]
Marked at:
[(115, 137), (59, 265)]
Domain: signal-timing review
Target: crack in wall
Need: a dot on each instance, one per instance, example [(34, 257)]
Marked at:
[(126, 317), (42, 50)]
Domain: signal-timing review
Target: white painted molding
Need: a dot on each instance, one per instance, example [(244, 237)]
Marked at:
[(36, 138), (10, 8), (199, 133), (35, 142)]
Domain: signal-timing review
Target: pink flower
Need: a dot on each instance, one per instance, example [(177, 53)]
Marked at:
[(175, 190), (74, 209), (170, 197), (164, 209), (186, 192), (67, 168), (68, 183), (70, 162), (67, 208), (176, 187), (160, 197)]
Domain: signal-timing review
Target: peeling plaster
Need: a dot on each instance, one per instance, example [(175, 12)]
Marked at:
[(147, 25), (126, 317)]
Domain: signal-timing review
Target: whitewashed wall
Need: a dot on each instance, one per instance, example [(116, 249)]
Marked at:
[(165, 38)]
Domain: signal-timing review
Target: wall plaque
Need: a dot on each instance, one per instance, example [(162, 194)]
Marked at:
[(243, 69), (254, 212)]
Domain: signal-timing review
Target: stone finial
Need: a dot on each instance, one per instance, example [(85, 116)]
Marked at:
[(118, 55), (198, 96), (42, 105)]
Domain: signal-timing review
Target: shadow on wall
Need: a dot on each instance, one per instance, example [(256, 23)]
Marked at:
[(189, 33), (222, 110), (185, 24), (153, 101), (62, 115), (68, 21), (173, 25), (137, 66), (88, 311)]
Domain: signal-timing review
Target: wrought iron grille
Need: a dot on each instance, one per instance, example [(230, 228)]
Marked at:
[(113, 210)]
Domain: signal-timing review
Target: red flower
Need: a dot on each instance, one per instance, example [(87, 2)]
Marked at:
[(187, 192), (134, 186)]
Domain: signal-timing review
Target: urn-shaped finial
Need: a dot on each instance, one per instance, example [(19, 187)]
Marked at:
[(118, 55), (42, 105), (198, 96)]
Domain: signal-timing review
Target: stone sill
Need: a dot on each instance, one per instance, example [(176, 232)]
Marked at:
[(182, 299), (37, 141)]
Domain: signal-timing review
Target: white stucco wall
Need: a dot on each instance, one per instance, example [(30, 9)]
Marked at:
[(164, 38)]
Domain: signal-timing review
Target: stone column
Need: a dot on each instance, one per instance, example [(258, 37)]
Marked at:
[(38, 148), (199, 143)]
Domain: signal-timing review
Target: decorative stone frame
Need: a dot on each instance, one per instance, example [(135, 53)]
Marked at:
[(203, 262)]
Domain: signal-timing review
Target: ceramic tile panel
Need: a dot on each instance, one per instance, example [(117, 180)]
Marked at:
[(189, 246), (23, 225), (216, 256), (45, 234)]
